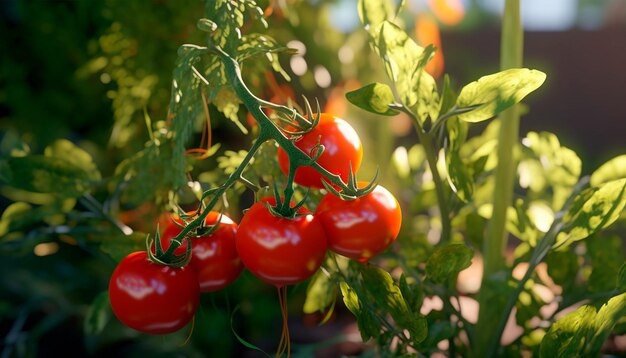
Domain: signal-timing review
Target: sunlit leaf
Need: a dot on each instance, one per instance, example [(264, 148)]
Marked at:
[(447, 261), (320, 293), (497, 92), (63, 148), (583, 332), (41, 174), (374, 12), (375, 97), (404, 63), (592, 210), (612, 170)]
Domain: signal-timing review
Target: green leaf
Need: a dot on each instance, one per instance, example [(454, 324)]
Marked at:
[(446, 262), (63, 148), (611, 170), (592, 210), (320, 293), (98, 315), (583, 332), (374, 12), (497, 92), (375, 97), (606, 254), (381, 290), (404, 63), (43, 174), (459, 176), (548, 167)]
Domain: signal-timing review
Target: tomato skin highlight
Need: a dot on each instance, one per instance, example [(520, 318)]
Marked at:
[(214, 257), (153, 298), (342, 147), (361, 228), (277, 250)]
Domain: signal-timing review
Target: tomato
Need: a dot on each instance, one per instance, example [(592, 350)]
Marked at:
[(361, 228), (277, 250), (342, 147), (214, 257), (153, 298)]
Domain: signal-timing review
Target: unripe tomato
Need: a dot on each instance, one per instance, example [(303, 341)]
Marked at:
[(214, 257), (361, 228), (153, 298), (277, 250), (342, 147)]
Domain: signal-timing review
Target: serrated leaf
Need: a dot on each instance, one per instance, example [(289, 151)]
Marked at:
[(98, 315), (446, 262), (497, 92), (374, 12), (375, 97), (320, 293), (612, 170), (581, 333), (404, 63), (592, 210)]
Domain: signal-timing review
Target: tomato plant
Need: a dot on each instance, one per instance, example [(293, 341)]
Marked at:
[(214, 256), (360, 228), (153, 298), (280, 251), (342, 150), (502, 232)]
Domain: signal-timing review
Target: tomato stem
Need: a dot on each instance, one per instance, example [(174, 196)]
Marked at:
[(511, 56)]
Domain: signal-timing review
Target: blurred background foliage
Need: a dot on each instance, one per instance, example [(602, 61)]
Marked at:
[(99, 74)]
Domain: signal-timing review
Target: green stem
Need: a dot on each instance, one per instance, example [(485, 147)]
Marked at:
[(428, 142), (491, 310)]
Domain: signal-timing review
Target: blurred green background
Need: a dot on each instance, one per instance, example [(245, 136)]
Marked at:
[(86, 70)]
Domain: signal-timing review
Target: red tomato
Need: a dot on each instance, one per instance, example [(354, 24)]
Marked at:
[(277, 250), (361, 228), (342, 146), (214, 257), (153, 298)]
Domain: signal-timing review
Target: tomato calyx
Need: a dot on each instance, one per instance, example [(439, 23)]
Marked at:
[(352, 189), (282, 208), (167, 257)]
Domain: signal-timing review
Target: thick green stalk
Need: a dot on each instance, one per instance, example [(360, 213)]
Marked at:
[(491, 308)]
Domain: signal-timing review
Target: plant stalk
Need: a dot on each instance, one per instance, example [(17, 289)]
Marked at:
[(511, 56)]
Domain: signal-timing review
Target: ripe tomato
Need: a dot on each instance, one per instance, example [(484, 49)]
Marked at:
[(214, 257), (277, 250), (342, 147), (361, 228), (153, 298)]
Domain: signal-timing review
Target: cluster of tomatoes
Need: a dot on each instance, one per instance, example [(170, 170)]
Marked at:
[(155, 298)]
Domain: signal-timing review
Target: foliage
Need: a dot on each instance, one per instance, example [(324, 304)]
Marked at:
[(77, 206)]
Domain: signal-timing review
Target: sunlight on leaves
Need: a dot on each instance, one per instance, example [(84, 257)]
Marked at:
[(593, 210), (612, 170), (582, 332), (404, 63), (497, 92), (446, 262), (374, 12), (375, 97)]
